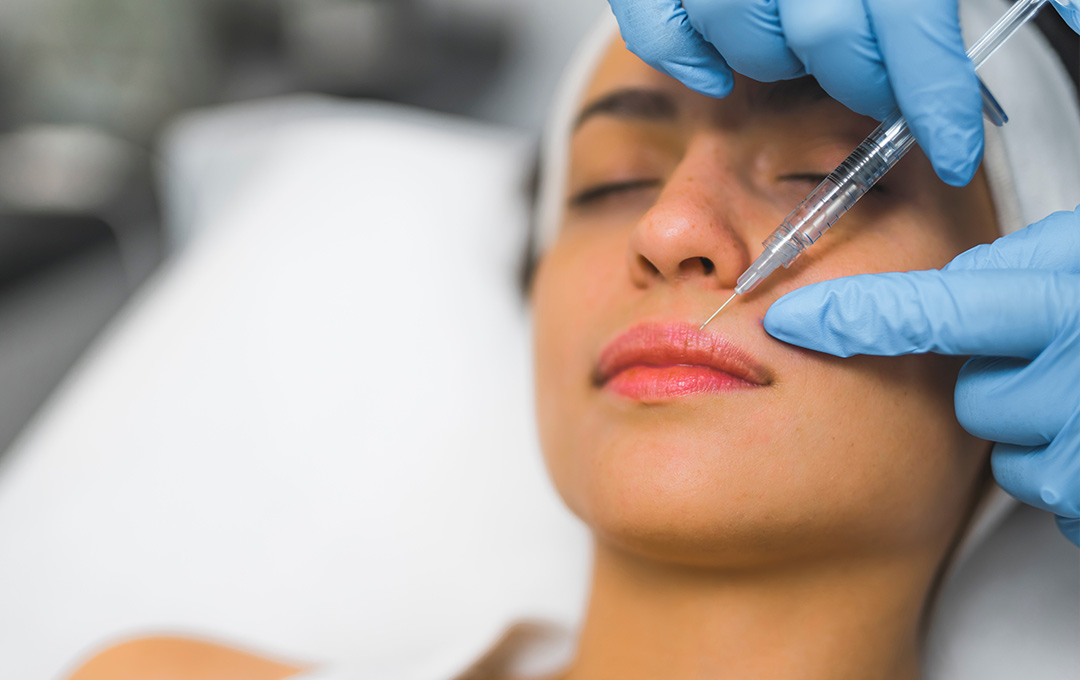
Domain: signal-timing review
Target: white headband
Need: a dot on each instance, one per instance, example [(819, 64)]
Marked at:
[(1032, 164)]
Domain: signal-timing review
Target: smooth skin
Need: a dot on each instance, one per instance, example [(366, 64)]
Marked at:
[(177, 658)]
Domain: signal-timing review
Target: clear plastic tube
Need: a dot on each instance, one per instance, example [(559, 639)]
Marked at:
[(862, 168), (1019, 14)]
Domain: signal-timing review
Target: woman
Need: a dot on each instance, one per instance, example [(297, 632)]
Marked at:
[(758, 510)]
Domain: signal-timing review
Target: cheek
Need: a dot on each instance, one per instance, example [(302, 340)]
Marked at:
[(575, 280), (883, 430), (886, 245), (867, 451)]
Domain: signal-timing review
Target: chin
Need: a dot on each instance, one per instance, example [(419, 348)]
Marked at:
[(694, 501), (682, 495)]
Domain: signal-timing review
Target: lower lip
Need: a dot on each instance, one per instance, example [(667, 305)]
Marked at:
[(658, 383)]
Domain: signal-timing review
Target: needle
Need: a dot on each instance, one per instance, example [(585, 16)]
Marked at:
[(718, 311)]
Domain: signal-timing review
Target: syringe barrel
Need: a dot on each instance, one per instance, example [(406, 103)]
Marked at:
[(832, 198), (850, 181)]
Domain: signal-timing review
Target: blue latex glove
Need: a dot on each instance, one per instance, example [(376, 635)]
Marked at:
[(1015, 306), (871, 55), (1070, 12)]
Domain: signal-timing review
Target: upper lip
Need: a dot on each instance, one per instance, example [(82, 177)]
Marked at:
[(655, 344)]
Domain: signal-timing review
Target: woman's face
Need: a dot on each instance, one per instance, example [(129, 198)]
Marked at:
[(728, 445)]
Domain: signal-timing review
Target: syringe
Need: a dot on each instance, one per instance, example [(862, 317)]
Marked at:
[(860, 171)]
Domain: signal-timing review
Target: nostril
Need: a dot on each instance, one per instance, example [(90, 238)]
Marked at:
[(707, 266), (648, 266)]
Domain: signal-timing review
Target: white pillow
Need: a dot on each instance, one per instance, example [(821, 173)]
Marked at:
[(312, 433)]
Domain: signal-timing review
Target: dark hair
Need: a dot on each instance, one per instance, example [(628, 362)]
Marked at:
[(1064, 41), (530, 255)]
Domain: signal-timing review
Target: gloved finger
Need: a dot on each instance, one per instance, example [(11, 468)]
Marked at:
[(989, 312), (1070, 12), (994, 312), (836, 45), (1046, 477), (1016, 401), (748, 35), (933, 80), (1070, 527), (659, 32), (1051, 244)]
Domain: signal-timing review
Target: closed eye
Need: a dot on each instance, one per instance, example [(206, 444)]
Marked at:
[(601, 191)]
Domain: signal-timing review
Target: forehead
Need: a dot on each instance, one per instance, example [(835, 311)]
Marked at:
[(618, 66), (618, 70)]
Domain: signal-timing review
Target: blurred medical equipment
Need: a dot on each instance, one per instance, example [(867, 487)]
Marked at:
[(862, 169)]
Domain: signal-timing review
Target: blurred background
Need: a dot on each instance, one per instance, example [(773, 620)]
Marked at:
[(89, 89)]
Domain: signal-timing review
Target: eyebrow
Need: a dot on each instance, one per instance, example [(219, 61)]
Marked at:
[(632, 103), (660, 107)]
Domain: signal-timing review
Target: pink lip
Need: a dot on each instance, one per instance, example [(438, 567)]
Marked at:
[(656, 362)]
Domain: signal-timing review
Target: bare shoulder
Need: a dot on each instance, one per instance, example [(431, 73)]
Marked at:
[(176, 658)]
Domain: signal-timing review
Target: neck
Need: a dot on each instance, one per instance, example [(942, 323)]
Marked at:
[(842, 619)]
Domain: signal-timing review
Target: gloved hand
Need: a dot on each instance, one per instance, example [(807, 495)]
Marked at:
[(1015, 305), (871, 55), (1070, 12)]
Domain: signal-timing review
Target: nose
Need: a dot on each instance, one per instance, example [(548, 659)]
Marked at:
[(691, 234)]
